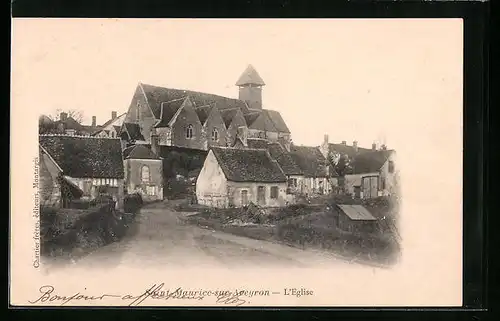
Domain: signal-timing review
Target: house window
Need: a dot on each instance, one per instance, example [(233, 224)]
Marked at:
[(382, 183), (113, 134), (292, 182), (261, 195), (150, 190), (244, 197), (145, 174), (274, 192), (189, 131), (215, 135), (391, 166)]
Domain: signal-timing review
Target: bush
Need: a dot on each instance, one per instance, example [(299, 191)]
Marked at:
[(80, 204), (132, 203)]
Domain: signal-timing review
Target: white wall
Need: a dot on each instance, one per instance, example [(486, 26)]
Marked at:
[(235, 189), (211, 185)]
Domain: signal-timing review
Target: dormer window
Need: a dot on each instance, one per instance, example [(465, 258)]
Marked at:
[(215, 135), (189, 132)]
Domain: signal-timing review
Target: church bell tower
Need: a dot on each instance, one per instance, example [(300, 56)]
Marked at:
[(250, 84)]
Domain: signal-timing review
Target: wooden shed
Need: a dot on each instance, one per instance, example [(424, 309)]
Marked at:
[(355, 218)]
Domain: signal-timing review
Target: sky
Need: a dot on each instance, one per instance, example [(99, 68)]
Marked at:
[(364, 80)]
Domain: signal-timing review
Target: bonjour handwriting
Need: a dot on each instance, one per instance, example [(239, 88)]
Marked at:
[(48, 294)]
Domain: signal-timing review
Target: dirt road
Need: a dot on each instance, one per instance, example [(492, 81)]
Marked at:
[(161, 237)]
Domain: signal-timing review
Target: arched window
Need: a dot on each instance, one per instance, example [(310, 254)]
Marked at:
[(189, 131), (215, 135), (145, 174)]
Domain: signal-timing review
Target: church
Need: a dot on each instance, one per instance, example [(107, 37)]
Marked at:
[(196, 120)]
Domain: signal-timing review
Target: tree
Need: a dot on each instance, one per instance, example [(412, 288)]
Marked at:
[(73, 113), (340, 165)]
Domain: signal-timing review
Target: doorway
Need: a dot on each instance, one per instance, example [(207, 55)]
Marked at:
[(261, 195), (244, 197), (370, 187)]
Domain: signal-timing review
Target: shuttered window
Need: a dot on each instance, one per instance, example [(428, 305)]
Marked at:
[(274, 192)]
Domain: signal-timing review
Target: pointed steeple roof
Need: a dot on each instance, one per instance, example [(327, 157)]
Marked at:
[(250, 77)]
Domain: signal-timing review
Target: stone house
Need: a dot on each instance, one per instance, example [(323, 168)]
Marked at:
[(111, 128), (143, 172), (294, 174), (80, 167), (233, 177), (371, 172), (314, 179)]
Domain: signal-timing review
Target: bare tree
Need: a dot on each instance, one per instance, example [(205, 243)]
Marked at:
[(341, 165), (73, 113)]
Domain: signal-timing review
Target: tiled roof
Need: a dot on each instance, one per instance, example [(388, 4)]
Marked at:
[(157, 95), (168, 110), (357, 212), (250, 76), (370, 162), (347, 150), (257, 143), (71, 123), (138, 152), (284, 159), (133, 130), (228, 115), (113, 120), (85, 157), (277, 120), (250, 118), (310, 160), (260, 121), (248, 165), (203, 112)]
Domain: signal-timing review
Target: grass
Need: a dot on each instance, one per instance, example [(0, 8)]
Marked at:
[(308, 226), (75, 232)]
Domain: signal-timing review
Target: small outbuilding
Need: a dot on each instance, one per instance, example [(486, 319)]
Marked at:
[(355, 218)]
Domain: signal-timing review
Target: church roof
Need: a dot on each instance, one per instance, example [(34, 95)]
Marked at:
[(156, 95), (250, 77)]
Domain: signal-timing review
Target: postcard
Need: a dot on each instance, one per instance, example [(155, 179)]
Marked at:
[(236, 163)]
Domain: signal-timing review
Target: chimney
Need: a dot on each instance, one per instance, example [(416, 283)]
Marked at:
[(344, 142), (155, 148), (383, 147), (63, 116), (355, 145), (94, 121), (113, 114), (325, 139), (242, 134), (374, 146)]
